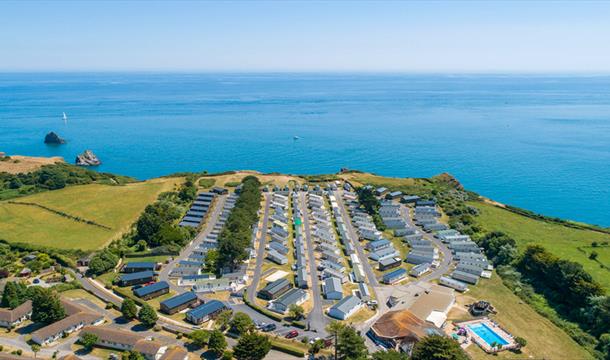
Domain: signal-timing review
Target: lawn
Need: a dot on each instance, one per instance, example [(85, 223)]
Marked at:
[(114, 207), (565, 242), (544, 339)]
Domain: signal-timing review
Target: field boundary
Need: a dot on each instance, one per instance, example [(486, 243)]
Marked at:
[(61, 213)]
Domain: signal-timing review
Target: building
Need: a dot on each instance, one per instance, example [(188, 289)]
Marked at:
[(276, 257), (7, 356), (205, 312), (452, 283), (363, 292), (134, 267), (394, 195), (401, 330), (409, 199), (78, 317), (179, 302), (333, 290), (419, 270), (291, 297), (176, 353), (12, 318), (433, 305), (389, 263), (378, 245), (125, 341), (219, 191), (465, 277), (213, 285), (136, 278), (274, 289), (395, 276), (345, 308), (421, 257), (152, 291), (380, 191)]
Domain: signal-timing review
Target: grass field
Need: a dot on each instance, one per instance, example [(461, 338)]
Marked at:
[(116, 207), (544, 339), (565, 242)]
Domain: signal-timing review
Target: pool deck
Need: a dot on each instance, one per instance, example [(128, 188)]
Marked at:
[(511, 344)]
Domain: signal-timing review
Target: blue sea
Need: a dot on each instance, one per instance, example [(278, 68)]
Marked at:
[(538, 142)]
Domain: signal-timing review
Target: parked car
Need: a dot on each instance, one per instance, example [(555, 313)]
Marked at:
[(269, 327), (292, 334)]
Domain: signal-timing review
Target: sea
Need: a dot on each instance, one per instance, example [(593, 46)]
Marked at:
[(540, 142)]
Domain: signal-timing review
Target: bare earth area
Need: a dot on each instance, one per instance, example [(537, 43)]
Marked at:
[(25, 164)]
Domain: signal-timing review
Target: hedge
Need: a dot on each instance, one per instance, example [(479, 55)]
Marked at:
[(260, 309), (290, 350)]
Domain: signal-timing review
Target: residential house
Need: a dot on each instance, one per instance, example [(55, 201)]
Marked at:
[(179, 302), (419, 270), (11, 318), (152, 291), (136, 278), (205, 312), (274, 289), (389, 263), (395, 276), (345, 308), (123, 340), (452, 283), (332, 288), (291, 297)]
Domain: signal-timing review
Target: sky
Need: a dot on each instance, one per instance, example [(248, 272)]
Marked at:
[(350, 36)]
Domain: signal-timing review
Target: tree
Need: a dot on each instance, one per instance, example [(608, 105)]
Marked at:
[(147, 315), (211, 260), (35, 349), (315, 347), (241, 323), (89, 340), (133, 355), (351, 344), (200, 337), (252, 346), (15, 294), (437, 347), (103, 262), (520, 341), (227, 355), (46, 307), (223, 319), (296, 311), (389, 355), (334, 328), (129, 309), (593, 255), (217, 343)]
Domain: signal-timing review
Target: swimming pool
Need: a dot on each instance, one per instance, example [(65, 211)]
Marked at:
[(487, 334)]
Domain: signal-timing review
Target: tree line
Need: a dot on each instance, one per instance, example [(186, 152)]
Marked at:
[(371, 205), (46, 306), (236, 236)]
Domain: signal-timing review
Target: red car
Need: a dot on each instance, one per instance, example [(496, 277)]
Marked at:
[(292, 334)]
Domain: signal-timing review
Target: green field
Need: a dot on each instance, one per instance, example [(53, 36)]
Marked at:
[(115, 207), (544, 339), (565, 242)]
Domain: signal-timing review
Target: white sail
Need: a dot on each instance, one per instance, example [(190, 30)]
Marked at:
[(65, 118)]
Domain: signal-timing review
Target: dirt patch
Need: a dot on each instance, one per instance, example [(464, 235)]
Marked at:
[(24, 164)]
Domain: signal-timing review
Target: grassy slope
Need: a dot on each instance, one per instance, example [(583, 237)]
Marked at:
[(544, 339), (114, 206), (560, 240)]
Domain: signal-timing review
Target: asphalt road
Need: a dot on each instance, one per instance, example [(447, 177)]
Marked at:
[(315, 318)]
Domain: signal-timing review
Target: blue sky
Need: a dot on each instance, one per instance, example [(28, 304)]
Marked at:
[(450, 36)]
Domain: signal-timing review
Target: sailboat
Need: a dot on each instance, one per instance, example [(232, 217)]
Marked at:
[(295, 137), (65, 119)]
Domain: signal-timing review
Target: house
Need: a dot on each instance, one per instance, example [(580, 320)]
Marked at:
[(433, 305), (409, 199), (10, 318), (190, 280), (205, 312), (276, 257), (213, 285), (114, 338), (358, 273), (465, 277), (291, 297), (136, 278), (274, 289), (389, 263), (452, 283), (283, 250), (219, 191), (152, 291), (301, 278), (395, 276), (363, 292), (345, 308), (25, 272), (134, 267), (471, 269), (378, 245), (332, 288), (420, 257), (179, 302), (326, 273), (419, 270), (401, 330), (78, 317), (383, 254), (380, 191), (394, 195)]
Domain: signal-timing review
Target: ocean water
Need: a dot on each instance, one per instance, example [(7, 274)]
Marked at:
[(538, 142)]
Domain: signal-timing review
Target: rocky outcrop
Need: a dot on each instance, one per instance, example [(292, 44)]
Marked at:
[(88, 158), (54, 139)]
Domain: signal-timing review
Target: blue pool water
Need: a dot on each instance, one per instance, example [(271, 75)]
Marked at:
[(537, 142), (487, 334)]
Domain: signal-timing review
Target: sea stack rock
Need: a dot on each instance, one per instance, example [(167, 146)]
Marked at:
[(54, 139), (88, 158)]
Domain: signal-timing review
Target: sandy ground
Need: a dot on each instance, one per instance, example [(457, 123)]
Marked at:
[(24, 164)]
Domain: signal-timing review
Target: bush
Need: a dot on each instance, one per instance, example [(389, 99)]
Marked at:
[(287, 349)]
